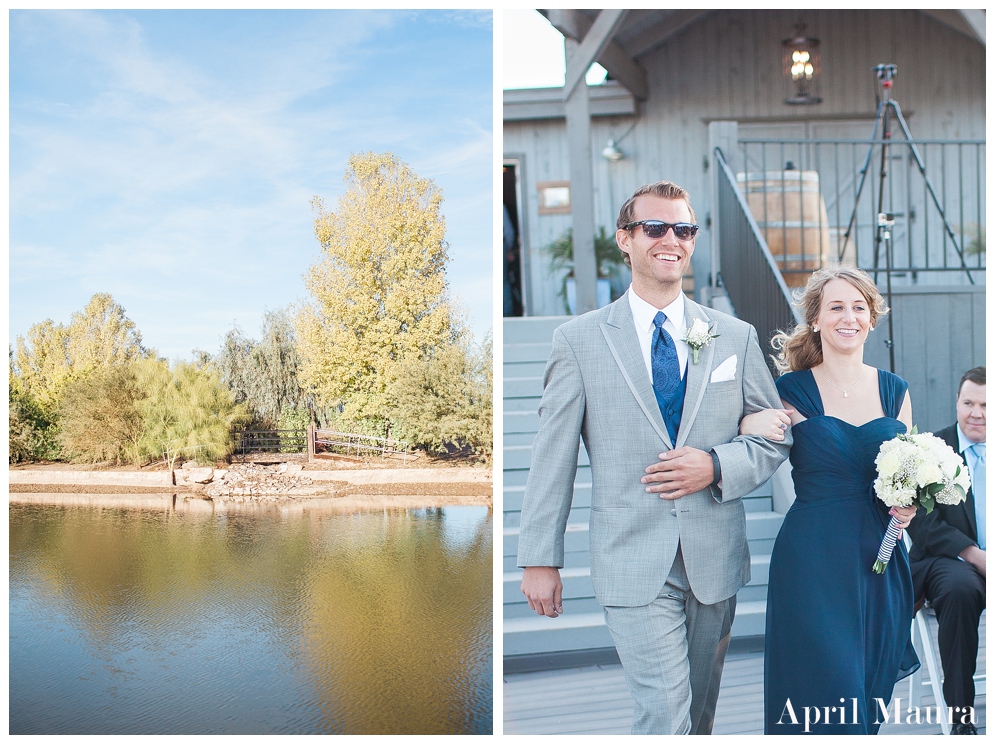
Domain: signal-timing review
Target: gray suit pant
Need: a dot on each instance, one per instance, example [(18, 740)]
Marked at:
[(672, 651)]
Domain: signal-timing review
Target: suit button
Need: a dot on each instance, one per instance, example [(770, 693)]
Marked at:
[(673, 512)]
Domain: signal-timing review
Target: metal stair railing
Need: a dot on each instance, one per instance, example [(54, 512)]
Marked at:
[(746, 268)]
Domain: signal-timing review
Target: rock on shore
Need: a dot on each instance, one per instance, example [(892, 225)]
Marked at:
[(286, 483), (253, 480)]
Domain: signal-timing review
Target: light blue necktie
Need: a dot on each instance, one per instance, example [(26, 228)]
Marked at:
[(978, 489)]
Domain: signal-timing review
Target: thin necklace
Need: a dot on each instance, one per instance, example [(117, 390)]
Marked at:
[(849, 388)]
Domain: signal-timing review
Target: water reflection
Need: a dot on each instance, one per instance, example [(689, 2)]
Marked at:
[(264, 622)]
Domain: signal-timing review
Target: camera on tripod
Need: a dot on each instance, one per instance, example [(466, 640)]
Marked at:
[(886, 219), (886, 72)]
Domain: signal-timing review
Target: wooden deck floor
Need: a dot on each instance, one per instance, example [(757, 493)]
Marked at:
[(595, 700)]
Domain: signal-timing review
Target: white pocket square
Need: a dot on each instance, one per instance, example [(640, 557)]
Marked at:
[(725, 371)]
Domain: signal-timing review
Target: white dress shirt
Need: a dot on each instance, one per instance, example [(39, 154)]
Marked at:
[(643, 314)]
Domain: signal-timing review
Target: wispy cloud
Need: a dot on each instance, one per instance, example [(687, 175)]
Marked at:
[(170, 157)]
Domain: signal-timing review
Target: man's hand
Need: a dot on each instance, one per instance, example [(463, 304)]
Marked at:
[(976, 557), (544, 590), (679, 472)]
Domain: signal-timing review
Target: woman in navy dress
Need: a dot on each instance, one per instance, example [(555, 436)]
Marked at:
[(838, 634)]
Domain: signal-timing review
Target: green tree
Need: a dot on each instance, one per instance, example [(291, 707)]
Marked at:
[(45, 362), (99, 418), (144, 410), (186, 412), (99, 335), (31, 435), (265, 375), (379, 291), (40, 364), (446, 399)]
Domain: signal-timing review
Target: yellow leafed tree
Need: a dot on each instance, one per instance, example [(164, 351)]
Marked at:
[(379, 291), (98, 337)]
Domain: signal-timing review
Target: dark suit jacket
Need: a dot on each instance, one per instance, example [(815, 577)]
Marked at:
[(943, 533)]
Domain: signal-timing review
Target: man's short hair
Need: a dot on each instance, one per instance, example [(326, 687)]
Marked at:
[(976, 375), (663, 189)]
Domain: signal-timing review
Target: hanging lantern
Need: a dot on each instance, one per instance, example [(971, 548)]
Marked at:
[(801, 68)]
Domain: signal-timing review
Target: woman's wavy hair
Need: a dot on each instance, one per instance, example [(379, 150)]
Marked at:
[(802, 348)]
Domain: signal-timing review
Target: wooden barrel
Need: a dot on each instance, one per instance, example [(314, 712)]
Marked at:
[(791, 214)]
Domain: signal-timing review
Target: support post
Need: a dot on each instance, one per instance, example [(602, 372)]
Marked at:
[(311, 434), (581, 187), (723, 135), (580, 55)]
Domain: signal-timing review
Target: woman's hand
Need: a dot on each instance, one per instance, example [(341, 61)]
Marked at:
[(903, 514), (770, 423)]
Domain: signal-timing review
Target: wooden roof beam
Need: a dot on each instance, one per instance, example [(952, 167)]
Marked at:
[(598, 36), (597, 44)]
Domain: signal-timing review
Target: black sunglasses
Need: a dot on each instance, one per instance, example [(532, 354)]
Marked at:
[(656, 229)]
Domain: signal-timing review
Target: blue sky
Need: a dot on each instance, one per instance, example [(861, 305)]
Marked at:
[(169, 157)]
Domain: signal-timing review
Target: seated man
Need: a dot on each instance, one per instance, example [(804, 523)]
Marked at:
[(948, 553)]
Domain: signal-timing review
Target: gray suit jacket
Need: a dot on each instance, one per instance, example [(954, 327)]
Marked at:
[(597, 387)]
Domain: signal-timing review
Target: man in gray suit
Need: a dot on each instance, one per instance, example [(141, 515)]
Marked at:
[(660, 422)]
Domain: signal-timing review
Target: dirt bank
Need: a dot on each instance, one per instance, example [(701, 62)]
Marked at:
[(356, 485)]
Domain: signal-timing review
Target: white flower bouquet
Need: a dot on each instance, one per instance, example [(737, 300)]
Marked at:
[(698, 336), (918, 470)]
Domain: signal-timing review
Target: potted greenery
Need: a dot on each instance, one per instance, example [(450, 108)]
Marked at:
[(608, 259), (973, 239)]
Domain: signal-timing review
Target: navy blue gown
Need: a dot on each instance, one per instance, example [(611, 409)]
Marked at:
[(835, 629)]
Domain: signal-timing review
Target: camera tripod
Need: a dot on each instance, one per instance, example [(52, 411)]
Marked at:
[(887, 108)]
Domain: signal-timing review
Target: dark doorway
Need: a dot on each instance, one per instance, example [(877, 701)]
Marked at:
[(512, 246)]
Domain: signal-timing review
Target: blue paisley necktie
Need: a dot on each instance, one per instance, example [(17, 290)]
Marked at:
[(666, 369)]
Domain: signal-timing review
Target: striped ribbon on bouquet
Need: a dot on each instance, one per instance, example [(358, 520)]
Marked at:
[(888, 543)]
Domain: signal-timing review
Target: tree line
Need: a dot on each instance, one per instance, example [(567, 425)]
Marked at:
[(378, 348)]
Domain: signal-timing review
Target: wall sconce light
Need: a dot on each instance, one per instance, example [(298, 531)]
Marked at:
[(611, 153), (801, 68)]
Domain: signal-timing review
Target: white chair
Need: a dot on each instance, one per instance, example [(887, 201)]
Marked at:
[(923, 642), (922, 639)]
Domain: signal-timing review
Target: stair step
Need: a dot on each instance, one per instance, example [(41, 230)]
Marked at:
[(535, 634), (524, 387), (530, 352), (751, 618), (534, 329), (571, 606), (534, 368), (521, 422), (521, 405)]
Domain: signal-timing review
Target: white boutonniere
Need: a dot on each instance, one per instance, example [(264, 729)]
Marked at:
[(698, 336)]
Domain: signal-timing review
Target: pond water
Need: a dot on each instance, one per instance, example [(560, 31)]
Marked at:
[(137, 621)]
